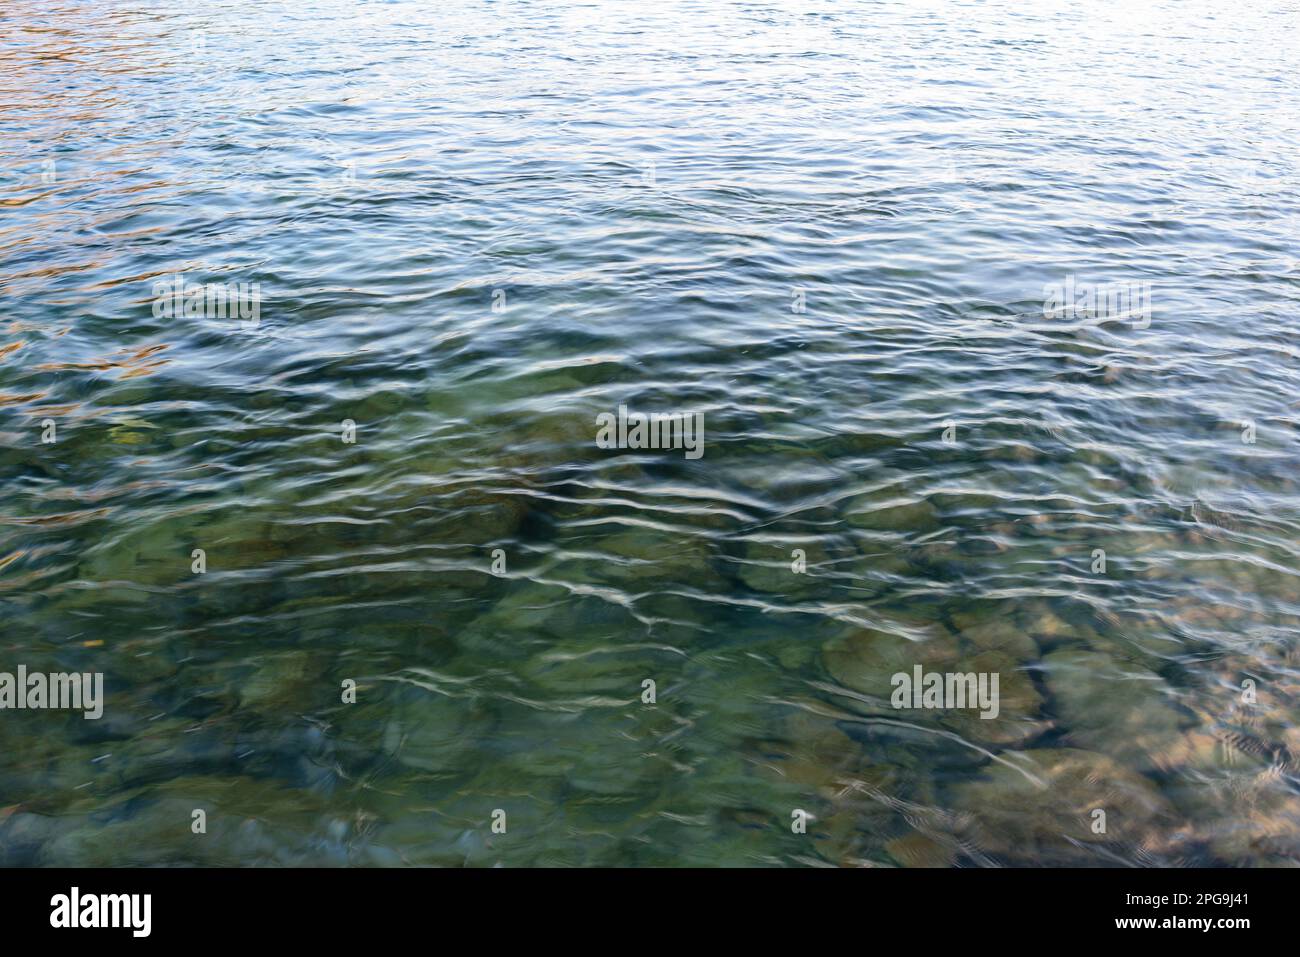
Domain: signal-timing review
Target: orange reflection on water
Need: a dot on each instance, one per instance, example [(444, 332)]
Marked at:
[(134, 362)]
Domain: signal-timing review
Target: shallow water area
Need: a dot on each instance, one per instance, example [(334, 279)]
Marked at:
[(827, 229)]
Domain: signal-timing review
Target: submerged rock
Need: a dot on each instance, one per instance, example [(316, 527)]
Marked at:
[(770, 568), (868, 662), (1114, 708), (682, 559), (1247, 817), (434, 732), (1045, 626), (921, 850), (824, 772), (289, 681), (1039, 805), (893, 515), (1001, 634), (815, 755)]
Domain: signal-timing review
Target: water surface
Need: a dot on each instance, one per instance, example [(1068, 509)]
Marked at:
[(827, 228)]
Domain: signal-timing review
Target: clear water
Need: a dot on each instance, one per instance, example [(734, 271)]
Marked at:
[(643, 191)]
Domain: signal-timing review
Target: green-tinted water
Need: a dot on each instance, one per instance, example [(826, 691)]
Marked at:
[(476, 227)]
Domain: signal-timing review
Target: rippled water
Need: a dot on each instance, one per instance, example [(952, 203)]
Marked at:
[(477, 226)]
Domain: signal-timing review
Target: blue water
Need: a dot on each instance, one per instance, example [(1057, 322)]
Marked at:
[(827, 229)]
